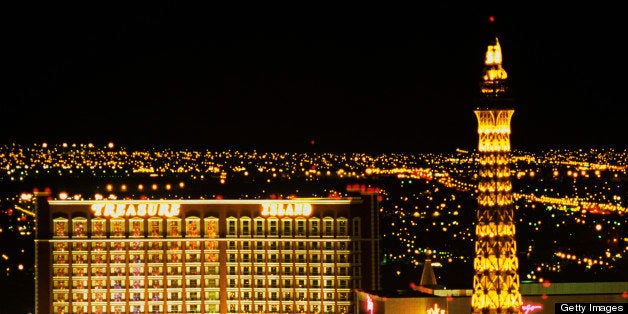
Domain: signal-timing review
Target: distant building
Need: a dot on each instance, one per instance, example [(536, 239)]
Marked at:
[(537, 298), (205, 256)]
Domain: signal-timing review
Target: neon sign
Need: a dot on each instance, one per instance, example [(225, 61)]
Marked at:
[(278, 209), (369, 304), (529, 308), (435, 310), (134, 210)]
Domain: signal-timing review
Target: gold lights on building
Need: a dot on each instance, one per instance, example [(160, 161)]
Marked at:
[(204, 256), (496, 280)]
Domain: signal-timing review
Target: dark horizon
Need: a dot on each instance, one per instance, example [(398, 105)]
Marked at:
[(375, 79)]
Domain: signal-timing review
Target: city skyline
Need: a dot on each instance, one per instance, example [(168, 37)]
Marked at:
[(378, 79)]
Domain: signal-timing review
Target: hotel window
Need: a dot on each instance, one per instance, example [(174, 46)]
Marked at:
[(193, 295), (329, 226), (287, 258), (98, 227), (329, 283), (300, 245), (273, 295), (246, 226), (246, 283), (314, 258), (211, 227), (60, 228), (154, 227), (259, 284), (259, 245), (232, 245), (328, 246), (287, 283), (174, 227), (273, 227), (246, 270), (314, 226), (231, 227), (287, 270), (246, 257), (259, 258), (356, 227), (116, 227), (300, 283), (79, 225), (314, 245), (315, 284), (137, 227), (259, 270), (273, 270), (246, 245), (232, 258), (342, 227), (273, 245), (232, 270), (232, 283), (273, 258), (314, 270), (259, 226), (192, 227), (300, 227), (287, 227)]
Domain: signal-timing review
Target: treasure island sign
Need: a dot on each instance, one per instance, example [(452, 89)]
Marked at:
[(134, 210), (286, 209)]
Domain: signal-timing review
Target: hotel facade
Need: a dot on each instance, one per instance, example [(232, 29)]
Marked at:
[(205, 256)]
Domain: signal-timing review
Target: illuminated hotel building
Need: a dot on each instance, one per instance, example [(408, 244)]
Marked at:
[(205, 256), (496, 280)]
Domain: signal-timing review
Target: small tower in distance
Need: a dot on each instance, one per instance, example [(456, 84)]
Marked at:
[(496, 279)]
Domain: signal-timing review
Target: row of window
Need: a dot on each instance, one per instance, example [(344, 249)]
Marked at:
[(209, 308), (95, 247), (244, 226), (136, 309)]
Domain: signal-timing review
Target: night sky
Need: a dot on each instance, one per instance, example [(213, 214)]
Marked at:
[(379, 78)]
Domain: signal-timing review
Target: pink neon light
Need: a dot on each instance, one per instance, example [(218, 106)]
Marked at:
[(369, 304), (528, 308)]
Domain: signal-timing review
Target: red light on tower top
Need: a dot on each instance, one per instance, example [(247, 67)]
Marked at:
[(491, 19)]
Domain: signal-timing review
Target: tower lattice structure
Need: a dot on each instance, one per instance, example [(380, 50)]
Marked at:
[(496, 279)]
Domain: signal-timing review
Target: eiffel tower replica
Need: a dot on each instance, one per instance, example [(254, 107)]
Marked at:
[(496, 279)]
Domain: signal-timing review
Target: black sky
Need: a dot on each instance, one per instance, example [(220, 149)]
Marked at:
[(379, 78)]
